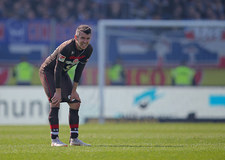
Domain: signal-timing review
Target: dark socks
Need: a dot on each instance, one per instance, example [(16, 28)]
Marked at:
[(54, 122), (74, 123)]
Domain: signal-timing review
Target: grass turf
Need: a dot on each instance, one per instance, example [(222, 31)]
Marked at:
[(118, 141)]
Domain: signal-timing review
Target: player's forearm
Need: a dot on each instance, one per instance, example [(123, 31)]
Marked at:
[(58, 90), (78, 72), (75, 84), (58, 74)]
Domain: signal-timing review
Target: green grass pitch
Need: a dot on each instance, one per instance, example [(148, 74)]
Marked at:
[(118, 141)]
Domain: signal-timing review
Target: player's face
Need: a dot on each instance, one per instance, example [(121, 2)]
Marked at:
[(83, 40)]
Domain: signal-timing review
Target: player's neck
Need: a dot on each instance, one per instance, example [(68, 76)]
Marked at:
[(78, 47)]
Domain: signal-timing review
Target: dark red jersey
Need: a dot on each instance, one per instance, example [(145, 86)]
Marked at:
[(65, 57)]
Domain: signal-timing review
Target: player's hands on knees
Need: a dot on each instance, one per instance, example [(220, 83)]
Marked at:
[(75, 95), (56, 99)]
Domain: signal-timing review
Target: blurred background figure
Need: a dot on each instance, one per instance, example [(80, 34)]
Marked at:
[(183, 75), (116, 73), (23, 72)]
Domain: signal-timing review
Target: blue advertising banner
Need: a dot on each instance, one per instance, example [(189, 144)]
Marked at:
[(166, 45), (35, 40)]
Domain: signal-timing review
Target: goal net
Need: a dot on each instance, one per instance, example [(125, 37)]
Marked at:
[(149, 43)]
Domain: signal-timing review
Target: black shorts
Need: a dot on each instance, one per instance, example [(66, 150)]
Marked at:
[(48, 82)]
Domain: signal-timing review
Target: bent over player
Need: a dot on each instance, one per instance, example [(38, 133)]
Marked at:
[(57, 83)]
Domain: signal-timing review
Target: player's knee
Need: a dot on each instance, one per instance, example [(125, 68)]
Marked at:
[(53, 105), (75, 106)]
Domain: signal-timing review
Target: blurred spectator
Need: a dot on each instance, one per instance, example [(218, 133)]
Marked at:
[(114, 9), (62, 13), (192, 13), (31, 14), (23, 72), (116, 73), (183, 75), (138, 9), (83, 12), (96, 11), (178, 12)]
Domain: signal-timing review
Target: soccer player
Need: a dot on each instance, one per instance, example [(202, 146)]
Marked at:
[(57, 83)]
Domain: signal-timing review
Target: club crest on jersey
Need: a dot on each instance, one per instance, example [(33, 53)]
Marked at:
[(75, 61), (62, 58)]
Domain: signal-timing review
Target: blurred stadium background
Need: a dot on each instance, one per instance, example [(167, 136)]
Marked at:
[(35, 28)]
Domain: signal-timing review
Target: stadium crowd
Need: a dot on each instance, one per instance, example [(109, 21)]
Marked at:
[(62, 10)]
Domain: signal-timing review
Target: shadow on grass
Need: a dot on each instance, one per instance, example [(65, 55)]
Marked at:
[(137, 146)]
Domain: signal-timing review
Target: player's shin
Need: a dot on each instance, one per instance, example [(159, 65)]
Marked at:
[(54, 122), (74, 123)]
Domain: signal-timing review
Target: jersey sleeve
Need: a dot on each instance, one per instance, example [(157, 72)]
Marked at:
[(81, 65), (60, 62), (78, 72)]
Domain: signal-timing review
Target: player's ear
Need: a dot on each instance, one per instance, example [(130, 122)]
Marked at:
[(75, 36)]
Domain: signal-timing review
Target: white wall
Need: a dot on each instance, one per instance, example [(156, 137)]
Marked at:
[(29, 105)]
